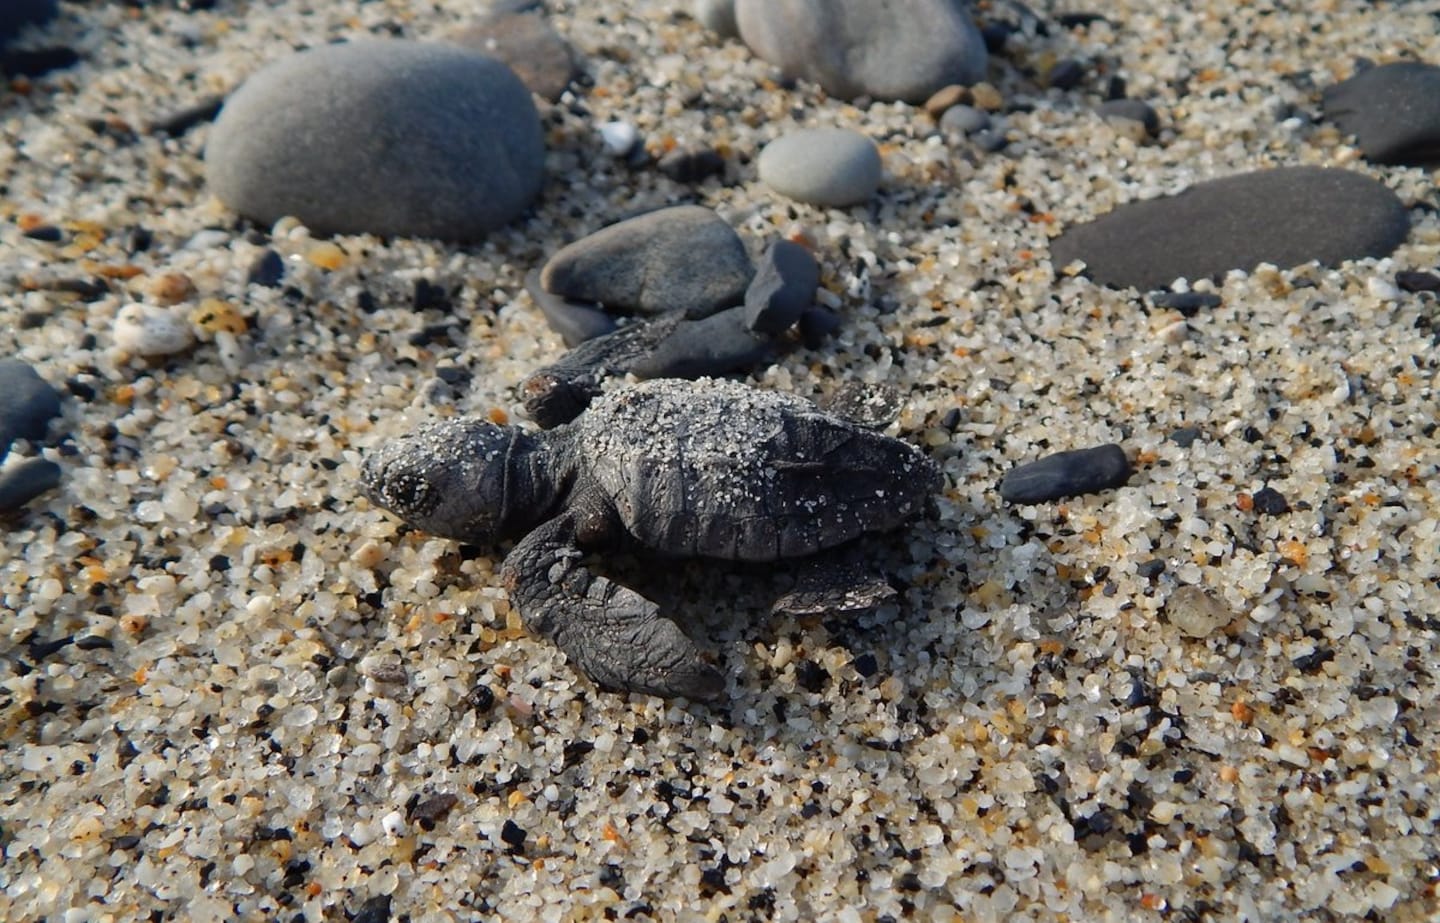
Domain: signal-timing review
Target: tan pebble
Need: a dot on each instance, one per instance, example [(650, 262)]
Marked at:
[(1196, 613), (986, 97), (170, 288), (944, 98), (368, 555), (326, 255)]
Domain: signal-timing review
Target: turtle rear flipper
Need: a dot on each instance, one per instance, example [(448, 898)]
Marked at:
[(610, 632), (834, 583)]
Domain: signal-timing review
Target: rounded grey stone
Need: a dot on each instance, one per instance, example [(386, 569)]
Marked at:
[(1392, 110), (886, 49), (528, 45), (1134, 110), (1067, 474), (822, 166), (384, 137), (684, 258), (1285, 216), (718, 16), (964, 120)]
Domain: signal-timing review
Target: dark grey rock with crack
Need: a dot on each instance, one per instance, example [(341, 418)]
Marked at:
[(684, 258), (1285, 216), (784, 286), (1067, 474)]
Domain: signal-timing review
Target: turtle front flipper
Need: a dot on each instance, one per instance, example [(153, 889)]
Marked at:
[(833, 583), (610, 632)]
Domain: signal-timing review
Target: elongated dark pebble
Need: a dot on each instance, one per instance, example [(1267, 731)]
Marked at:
[(1067, 474), (1411, 281), (27, 403), (1187, 303)]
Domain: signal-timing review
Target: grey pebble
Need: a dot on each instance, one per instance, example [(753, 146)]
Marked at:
[(964, 120), (692, 166), (27, 403), (784, 286), (528, 45), (1392, 110), (21, 483), (1135, 110), (574, 321), (718, 16), (380, 136), (1067, 474), (1066, 74), (1412, 281), (15, 15), (991, 140), (684, 258), (715, 345), (267, 270), (833, 167), (1185, 436), (891, 50), (1285, 216), (1270, 502)]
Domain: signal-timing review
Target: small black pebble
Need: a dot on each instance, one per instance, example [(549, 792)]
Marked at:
[(995, 35), (1412, 281), (512, 835), (866, 665), (1187, 303), (374, 910), (809, 809), (1270, 502), (1150, 569), (1182, 776), (95, 643), (1185, 436), (45, 232), (268, 270), (691, 166), (1072, 20), (1067, 74), (1067, 474), (1313, 661), (481, 698), (811, 676), (434, 808)]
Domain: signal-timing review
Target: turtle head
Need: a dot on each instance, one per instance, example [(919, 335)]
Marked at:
[(448, 478)]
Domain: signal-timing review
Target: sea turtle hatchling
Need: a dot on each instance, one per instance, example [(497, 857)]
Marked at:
[(690, 468)]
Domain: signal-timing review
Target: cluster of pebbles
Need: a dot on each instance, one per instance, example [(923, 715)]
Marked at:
[(1177, 264)]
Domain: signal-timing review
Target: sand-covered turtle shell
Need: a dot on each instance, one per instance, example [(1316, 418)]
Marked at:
[(719, 469)]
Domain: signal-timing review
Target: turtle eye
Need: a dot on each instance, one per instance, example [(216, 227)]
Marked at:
[(412, 493)]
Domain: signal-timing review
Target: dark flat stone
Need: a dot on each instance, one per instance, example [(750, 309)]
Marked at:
[(27, 403), (1187, 303), (19, 484), (1067, 474), (17, 14), (1412, 281), (1392, 110), (784, 286), (1285, 216)]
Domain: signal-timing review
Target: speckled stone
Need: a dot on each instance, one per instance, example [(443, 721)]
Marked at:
[(822, 166), (684, 258), (1392, 110), (528, 44), (1285, 216), (384, 137), (886, 49), (15, 15)]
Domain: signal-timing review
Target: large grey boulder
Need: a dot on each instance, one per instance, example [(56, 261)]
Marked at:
[(886, 49), (386, 137)]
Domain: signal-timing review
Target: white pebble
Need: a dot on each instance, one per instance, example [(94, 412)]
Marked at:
[(620, 137), (146, 330)]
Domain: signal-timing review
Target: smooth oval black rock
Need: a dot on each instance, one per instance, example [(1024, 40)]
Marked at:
[(1067, 474), (1392, 110), (27, 403), (684, 258), (384, 137), (784, 286), (1285, 216)]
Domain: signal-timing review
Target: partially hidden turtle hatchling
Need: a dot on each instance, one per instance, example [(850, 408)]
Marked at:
[(689, 468)]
